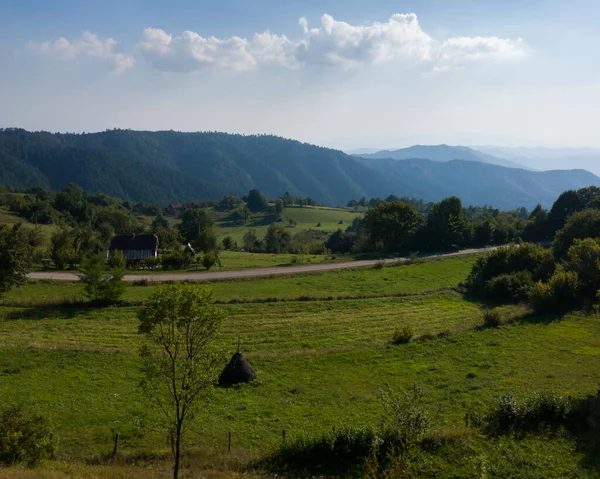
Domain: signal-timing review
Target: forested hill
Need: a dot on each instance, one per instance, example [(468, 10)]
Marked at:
[(167, 166)]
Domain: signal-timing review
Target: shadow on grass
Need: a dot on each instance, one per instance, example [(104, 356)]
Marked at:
[(523, 316), (67, 310), (584, 425), (532, 317), (45, 312)]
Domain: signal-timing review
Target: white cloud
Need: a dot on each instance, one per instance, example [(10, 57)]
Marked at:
[(190, 51), (340, 44), (333, 43), (462, 50), (88, 45)]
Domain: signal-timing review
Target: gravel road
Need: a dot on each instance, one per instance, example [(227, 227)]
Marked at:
[(248, 273)]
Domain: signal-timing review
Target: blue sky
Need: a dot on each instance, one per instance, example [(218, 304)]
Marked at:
[(350, 74)]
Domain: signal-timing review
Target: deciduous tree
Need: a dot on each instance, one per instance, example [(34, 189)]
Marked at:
[(180, 324)]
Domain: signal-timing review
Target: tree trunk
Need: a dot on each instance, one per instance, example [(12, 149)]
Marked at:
[(177, 451)]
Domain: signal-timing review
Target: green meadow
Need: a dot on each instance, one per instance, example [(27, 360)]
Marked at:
[(316, 218), (321, 346)]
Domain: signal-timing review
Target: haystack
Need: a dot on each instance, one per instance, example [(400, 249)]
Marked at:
[(237, 371)]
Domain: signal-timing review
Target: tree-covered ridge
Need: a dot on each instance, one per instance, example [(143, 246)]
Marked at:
[(173, 167)]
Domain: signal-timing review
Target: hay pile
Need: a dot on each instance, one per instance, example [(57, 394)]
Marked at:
[(237, 371)]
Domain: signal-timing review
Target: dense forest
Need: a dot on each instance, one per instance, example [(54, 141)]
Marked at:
[(171, 167)]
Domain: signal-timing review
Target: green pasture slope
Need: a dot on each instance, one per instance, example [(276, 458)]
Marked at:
[(306, 218), (321, 360), (9, 218)]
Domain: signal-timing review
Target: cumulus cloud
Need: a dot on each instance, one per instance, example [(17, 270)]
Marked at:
[(89, 45), (332, 43), (340, 44), (190, 51)]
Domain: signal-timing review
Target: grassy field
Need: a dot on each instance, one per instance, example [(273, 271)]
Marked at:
[(306, 218), (430, 275), (9, 218), (320, 363)]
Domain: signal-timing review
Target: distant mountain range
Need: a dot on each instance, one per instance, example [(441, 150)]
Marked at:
[(168, 166), (549, 158), (478, 183), (439, 153)]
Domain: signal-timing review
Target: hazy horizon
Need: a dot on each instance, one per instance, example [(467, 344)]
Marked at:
[(338, 74)]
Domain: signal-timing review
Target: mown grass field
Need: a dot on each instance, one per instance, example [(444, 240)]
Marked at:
[(430, 275), (320, 364)]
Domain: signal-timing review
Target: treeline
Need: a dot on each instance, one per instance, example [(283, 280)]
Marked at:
[(86, 223), (564, 277), (402, 225)]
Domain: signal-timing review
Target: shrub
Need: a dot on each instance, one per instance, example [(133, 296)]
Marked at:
[(116, 260), (341, 241), (228, 242), (542, 409), (558, 294), (24, 438), (491, 318), (101, 283), (277, 240), (509, 287), (333, 453), (402, 336), (178, 259), (545, 407), (405, 418), (379, 265), (580, 225), (505, 415), (584, 259), (343, 452), (210, 259), (413, 257), (538, 261), (152, 262)]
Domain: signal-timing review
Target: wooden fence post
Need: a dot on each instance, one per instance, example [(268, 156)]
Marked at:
[(229, 442), (467, 420), (116, 448), (283, 435)]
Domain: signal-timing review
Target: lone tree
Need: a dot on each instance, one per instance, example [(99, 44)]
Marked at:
[(17, 247), (256, 201), (101, 282), (180, 323), (279, 207)]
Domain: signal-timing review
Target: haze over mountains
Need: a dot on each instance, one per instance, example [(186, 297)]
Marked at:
[(168, 166), (549, 158), (440, 153)]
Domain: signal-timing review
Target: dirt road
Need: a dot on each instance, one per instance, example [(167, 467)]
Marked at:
[(248, 273)]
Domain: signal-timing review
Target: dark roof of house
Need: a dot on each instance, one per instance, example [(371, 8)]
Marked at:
[(134, 242)]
